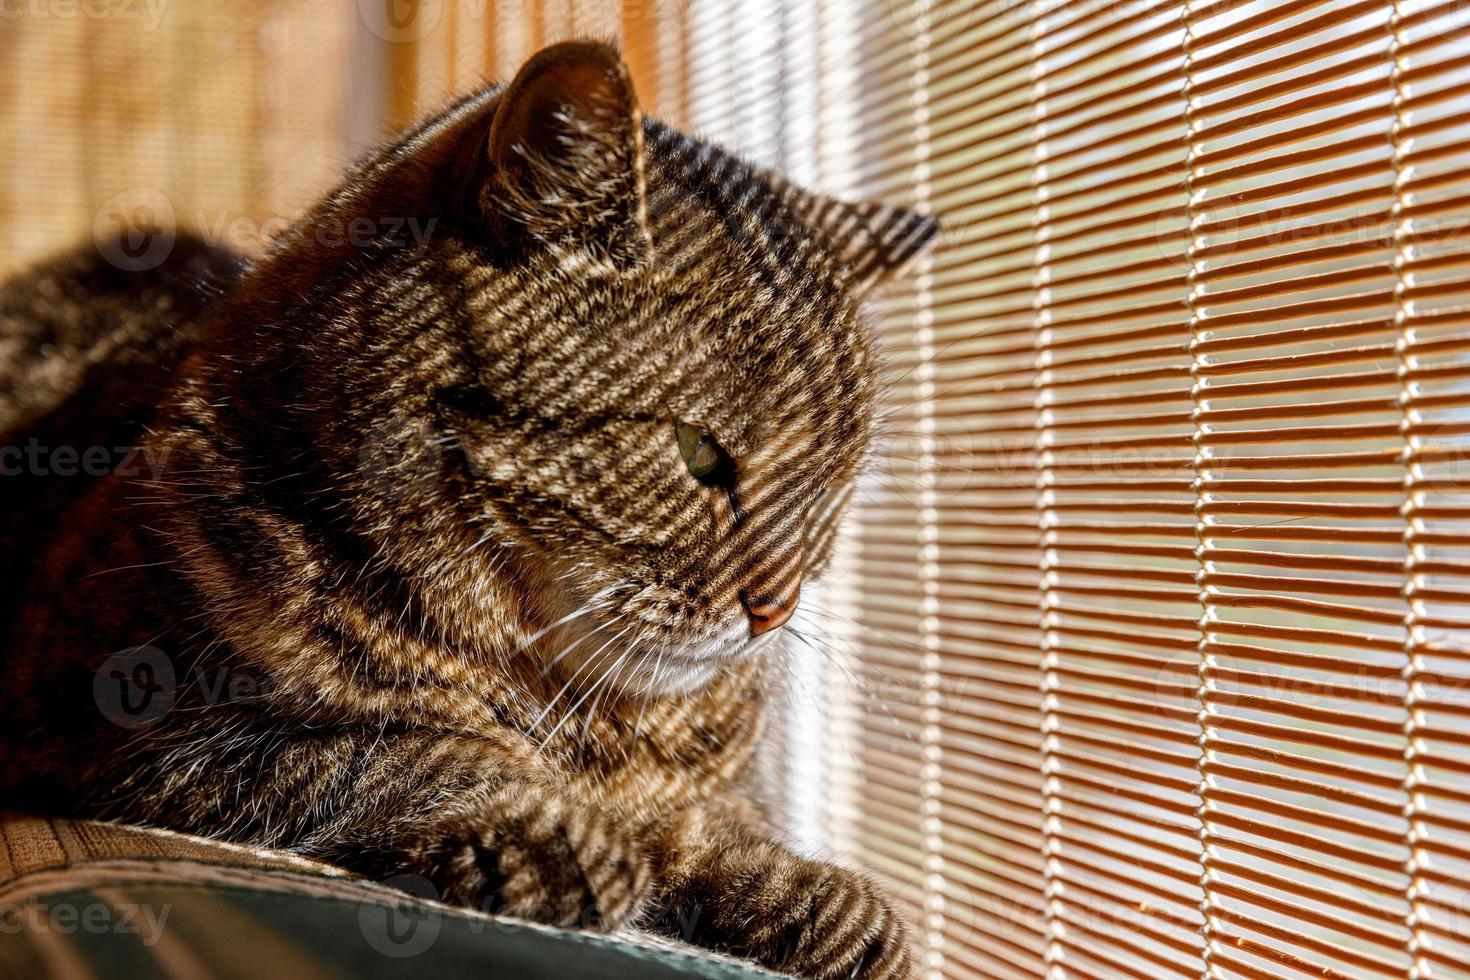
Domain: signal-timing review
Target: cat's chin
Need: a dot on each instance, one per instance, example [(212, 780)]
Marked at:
[(682, 680), (688, 670), (675, 672)]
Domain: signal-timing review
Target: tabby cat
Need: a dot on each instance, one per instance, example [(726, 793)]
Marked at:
[(460, 550)]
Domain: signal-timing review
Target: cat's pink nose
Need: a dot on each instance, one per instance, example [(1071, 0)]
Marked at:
[(767, 616)]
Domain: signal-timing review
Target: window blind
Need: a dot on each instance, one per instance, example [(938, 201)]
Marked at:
[(1151, 637)]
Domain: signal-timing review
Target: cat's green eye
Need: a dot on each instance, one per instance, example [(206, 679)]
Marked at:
[(701, 453)]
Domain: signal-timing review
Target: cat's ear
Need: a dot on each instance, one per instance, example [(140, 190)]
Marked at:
[(565, 156), (876, 241)]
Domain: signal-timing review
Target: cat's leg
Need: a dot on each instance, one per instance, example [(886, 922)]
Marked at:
[(725, 885), (480, 818)]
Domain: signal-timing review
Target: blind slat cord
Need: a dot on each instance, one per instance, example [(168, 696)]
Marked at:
[(1049, 677), (1197, 339), (1412, 448), (932, 773)]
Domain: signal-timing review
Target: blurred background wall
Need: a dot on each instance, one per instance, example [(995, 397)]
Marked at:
[(221, 114)]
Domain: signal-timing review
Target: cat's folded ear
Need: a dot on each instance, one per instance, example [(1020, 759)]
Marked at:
[(565, 156), (876, 241)]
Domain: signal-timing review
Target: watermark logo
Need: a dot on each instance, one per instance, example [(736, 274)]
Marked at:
[(135, 688), (400, 21), (1441, 460), (134, 229), (1177, 681), (402, 931), (402, 460)]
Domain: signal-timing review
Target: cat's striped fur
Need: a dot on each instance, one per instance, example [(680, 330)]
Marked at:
[(425, 501)]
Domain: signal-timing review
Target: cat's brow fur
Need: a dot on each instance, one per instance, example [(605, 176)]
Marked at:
[(424, 500)]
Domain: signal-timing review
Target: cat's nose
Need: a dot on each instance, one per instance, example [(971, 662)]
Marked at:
[(766, 615)]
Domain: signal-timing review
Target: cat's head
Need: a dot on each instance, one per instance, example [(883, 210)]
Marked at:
[(624, 383)]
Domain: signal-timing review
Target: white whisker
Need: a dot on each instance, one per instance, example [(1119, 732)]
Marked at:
[(573, 679), (605, 678)]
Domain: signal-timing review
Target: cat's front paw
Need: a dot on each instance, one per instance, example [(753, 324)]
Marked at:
[(793, 915), (545, 859)]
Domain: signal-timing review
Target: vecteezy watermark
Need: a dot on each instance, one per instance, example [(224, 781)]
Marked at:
[(1211, 230), (246, 234), (402, 931), (403, 459), (401, 21), (1227, 686), (147, 12), (136, 229), (35, 458), (40, 915), (138, 687), (135, 688)]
